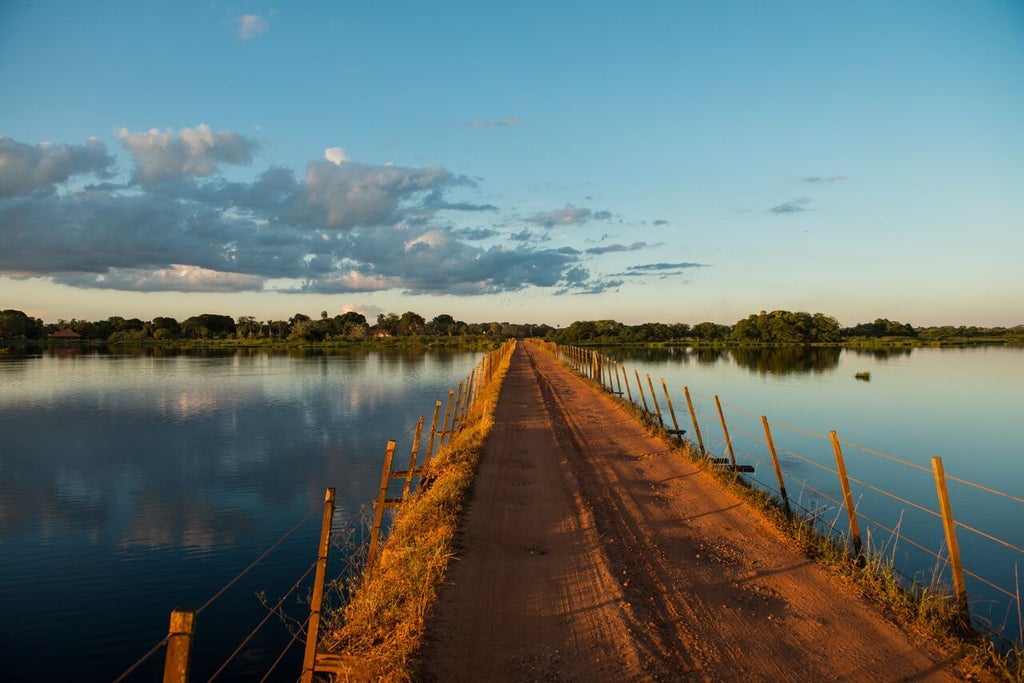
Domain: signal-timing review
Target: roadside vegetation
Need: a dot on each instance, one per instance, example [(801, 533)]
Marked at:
[(924, 608), (777, 328), (382, 622)]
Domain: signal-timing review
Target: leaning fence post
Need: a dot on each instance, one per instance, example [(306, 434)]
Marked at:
[(641, 388), (775, 462), (671, 410), (844, 481), (654, 398), (313, 631), (949, 526), (693, 419), (433, 434), (456, 419), (445, 432), (618, 378), (413, 452), (379, 505), (629, 394), (179, 646), (725, 433)]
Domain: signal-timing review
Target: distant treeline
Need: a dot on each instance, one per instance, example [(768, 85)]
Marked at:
[(777, 327)]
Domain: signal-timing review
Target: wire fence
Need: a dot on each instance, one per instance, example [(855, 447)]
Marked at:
[(349, 540), (875, 502)]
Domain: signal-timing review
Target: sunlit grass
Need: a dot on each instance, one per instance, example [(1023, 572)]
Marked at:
[(382, 624)]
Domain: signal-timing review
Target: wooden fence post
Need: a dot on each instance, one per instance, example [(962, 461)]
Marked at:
[(379, 505), (629, 394), (654, 398), (618, 378), (949, 526), (433, 434), (775, 463), (844, 481), (445, 432), (693, 419), (641, 388), (672, 411), (179, 646), (414, 451), (313, 630), (725, 432), (458, 410)]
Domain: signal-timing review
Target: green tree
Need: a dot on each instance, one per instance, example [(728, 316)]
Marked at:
[(411, 323), (443, 324), (18, 325)]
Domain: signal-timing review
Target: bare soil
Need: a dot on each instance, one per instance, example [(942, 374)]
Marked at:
[(593, 552)]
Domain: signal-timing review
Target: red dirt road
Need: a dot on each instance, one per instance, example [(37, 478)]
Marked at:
[(591, 552)]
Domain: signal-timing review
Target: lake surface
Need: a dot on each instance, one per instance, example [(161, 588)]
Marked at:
[(962, 404), (134, 484)]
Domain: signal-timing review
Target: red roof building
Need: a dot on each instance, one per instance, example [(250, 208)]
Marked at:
[(66, 333)]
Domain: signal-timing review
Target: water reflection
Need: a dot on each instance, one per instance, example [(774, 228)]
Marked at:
[(166, 473), (777, 360), (787, 360)]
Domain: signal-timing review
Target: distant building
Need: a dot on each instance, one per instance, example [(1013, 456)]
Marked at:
[(65, 333)]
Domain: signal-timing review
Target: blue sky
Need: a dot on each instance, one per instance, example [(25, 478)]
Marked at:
[(526, 162)]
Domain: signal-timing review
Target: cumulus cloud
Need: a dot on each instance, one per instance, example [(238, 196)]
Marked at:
[(175, 278), (351, 194), (336, 155), (797, 205), (343, 226), (28, 168), (570, 215), (162, 155), (504, 123), (252, 26)]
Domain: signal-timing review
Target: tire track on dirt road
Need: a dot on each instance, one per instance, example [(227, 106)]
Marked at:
[(591, 551)]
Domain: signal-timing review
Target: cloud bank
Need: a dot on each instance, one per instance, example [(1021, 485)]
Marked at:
[(174, 223)]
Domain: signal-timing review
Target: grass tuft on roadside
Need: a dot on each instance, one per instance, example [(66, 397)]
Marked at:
[(382, 624)]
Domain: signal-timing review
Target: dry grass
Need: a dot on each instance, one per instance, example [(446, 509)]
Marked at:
[(382, 624), (926, 609)]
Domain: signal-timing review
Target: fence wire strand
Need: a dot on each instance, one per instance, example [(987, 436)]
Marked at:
[(270, 613), (280, 657)]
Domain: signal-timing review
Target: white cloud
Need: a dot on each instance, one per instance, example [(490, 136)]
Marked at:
[(162, 155), (336, 155), (352, 226), (252, 26)]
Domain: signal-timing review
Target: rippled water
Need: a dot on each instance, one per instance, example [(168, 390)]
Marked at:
[(134, 484)]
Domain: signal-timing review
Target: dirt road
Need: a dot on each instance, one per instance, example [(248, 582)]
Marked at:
[(591, 553)]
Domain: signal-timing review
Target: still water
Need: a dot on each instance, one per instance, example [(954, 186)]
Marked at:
[(134, 484), (963, 405)]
